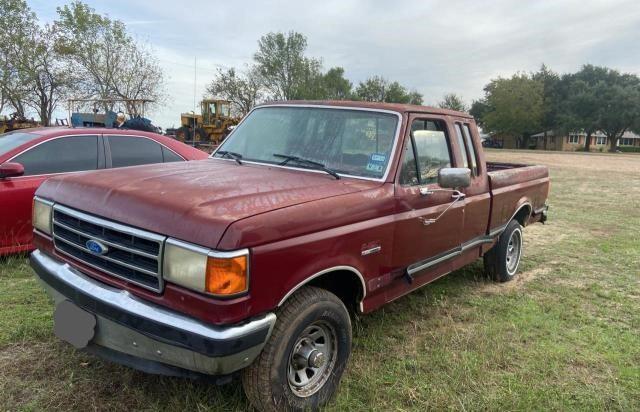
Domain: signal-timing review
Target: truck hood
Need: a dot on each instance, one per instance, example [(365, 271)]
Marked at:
[(193, 201)]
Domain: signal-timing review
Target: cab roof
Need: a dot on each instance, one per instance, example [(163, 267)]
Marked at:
[(394, 107)]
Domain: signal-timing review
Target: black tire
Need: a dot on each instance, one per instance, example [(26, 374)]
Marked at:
[(266, 381), (201, 136), (183, 134), (502, 261)]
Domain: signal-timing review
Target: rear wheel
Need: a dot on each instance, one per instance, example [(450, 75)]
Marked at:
[(501, 263), (301, 365), (183, 134), (201, 135)]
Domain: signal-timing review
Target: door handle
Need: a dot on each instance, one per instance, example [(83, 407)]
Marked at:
[(456, 196)]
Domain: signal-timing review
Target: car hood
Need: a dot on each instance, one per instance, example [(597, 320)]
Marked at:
[(193, 201)]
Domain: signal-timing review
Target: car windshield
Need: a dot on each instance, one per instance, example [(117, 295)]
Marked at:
[(347, 141), (11, 140)]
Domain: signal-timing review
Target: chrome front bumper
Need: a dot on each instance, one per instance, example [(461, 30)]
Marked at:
[(139, 329)]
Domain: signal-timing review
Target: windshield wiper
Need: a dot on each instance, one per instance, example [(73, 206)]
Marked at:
[(235, 156), (316, 165)]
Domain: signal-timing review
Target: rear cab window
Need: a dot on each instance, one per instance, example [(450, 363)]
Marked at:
[(471, 150)]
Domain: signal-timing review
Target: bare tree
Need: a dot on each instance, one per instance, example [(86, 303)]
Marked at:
[(46, 79), (107, 61), (139, 76)]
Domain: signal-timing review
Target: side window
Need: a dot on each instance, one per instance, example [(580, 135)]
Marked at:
[(432, 153), (132, 151), (169, 156), (465, 161), (471, 149), (409, 169), (65, 154)]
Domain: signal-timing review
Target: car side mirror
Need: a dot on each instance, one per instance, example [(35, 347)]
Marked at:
[(11, 169), (454, 177)]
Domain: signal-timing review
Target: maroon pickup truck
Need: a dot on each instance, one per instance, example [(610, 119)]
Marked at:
[(250, 260)]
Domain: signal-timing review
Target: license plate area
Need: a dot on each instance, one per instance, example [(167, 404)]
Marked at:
[(73, 324)]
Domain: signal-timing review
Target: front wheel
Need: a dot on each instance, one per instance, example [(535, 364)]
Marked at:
[(502, 261), (301, 365)]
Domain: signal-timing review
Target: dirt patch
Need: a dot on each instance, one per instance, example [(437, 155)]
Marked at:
[(518, 283)]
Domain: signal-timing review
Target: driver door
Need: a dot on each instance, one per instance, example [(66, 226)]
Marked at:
[(426, 236)]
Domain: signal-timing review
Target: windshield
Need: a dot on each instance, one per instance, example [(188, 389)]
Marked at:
[(349, 142), (11, 140)]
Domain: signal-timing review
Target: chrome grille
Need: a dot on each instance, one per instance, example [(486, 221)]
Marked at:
[(134, 255)]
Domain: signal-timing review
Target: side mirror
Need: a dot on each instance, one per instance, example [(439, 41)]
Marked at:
[(10, 169), (454, 177)]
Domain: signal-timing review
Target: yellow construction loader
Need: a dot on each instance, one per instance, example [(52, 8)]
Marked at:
[(208, 128)]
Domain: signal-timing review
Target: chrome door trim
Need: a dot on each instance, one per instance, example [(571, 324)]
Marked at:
[(450, 254)]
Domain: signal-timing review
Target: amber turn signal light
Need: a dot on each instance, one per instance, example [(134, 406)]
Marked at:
[(227, 276)]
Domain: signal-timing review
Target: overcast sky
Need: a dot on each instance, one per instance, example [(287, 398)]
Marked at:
[(434, 47)]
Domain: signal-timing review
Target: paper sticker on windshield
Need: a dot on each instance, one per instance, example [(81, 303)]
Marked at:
[(376, 162)]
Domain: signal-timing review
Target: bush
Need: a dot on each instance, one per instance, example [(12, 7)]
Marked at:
[(629, 149)]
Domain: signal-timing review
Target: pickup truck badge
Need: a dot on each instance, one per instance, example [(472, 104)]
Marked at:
[(95, 247)]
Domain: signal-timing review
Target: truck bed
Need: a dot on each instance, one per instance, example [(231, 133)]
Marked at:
[(514, 186)]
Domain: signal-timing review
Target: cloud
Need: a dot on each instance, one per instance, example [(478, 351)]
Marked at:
[(433, 46)]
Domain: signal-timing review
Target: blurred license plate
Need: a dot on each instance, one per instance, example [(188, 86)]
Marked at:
[(74, 325)]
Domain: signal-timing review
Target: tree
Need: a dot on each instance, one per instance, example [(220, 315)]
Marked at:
[(551, 101), (105, 58), (17, 28), (453, 102), (598, 98), (620, 100), (379, 89), (46, 79), (335, 85), (479, 108), (30, 72), (514, 107), (581, 108), (285, 71), (243, 90)]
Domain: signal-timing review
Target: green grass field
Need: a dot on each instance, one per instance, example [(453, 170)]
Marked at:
[(564, 336)]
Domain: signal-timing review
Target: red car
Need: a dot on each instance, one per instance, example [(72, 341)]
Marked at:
[(28, 157)]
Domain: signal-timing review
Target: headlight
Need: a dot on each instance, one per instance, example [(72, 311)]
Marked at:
[(206, 270), (41, 218)]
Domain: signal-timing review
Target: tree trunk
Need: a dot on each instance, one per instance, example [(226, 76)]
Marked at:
[(545, 140), (613, 147), (587, 142)]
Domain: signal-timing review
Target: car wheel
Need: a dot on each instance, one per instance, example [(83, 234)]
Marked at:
[(302, 362), (201, 136), (183, 134), (502, 261)]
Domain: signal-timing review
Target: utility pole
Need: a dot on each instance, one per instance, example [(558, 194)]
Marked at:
[(195, 82)]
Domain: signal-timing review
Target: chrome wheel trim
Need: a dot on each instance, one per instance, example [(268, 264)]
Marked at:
[(312, 359), (514, 251)]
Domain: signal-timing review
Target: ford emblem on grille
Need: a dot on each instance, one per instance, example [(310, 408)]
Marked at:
[(96, 247)]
